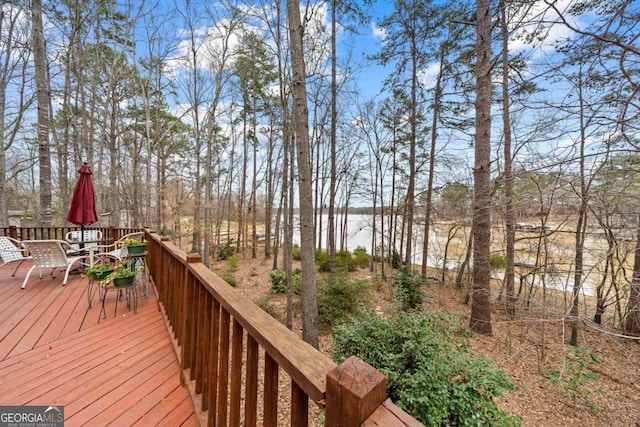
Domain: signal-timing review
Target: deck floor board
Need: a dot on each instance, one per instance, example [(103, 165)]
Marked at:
[(54, 350)]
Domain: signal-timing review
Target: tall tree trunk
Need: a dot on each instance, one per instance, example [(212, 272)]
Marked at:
[(114, 201), (382, 228), (409, 200), (287, 189), (480, 320), (393, 205), (268, 207), (300, 114), (208, 189), (254, 186), (286, 133), (42, 94), (4, 77), (243, 179), (510, 231), (581, 226), (632, 325), (332, 177), (432, 161)]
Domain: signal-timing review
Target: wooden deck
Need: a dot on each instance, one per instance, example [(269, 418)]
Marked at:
[(122, 371)]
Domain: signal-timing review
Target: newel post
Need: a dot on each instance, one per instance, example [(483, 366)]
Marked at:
[(354, 390)]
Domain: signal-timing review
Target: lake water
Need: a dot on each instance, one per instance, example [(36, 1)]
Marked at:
[(360, 233)]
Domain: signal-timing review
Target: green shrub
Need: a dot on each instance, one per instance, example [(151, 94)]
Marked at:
[(396, 261), (497, 261), (297, 282), (378, 254), (267, 305), (296, 252), (322, 260), (229, 278), (361, 257), (344, 261), (339, 298), (407, 290), (430, 372), (279, 282), (232, 263), (226, 250), (576, 374)]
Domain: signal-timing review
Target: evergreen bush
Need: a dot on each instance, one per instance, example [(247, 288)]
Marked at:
[(339, 298), (279, 281), (344, 261), (296, 252), (497, 261), (407, 290), (265, 303), (323, 260), (229, 278), (361, 257), (396, 262), (226, 250), (430, 372)]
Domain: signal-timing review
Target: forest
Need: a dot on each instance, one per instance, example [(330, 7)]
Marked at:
[(485, 142)]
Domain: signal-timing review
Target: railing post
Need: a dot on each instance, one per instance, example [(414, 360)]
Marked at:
[(113, 233), (354, 390), (13, 232), (185, 315)]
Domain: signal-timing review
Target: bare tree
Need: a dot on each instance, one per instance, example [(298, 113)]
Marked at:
[(300, 116), (14, 62), (510, 232), (43, 97)]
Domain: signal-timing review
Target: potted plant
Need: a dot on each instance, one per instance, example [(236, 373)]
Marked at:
[(122, 276), (99, 271), (135, 246)]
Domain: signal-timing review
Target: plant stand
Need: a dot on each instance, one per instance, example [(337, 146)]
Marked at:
[(127, 288), (92, 279)]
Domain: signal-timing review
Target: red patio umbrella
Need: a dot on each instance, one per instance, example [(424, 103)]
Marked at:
[(83, 205)]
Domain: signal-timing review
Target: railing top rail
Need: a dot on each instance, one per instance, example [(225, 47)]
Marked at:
[(307, 366)]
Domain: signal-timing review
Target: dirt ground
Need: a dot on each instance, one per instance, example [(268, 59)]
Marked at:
[(528, 348)]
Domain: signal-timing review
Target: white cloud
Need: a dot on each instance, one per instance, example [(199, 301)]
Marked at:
[(377, 32), (427, 76), (545, 22)]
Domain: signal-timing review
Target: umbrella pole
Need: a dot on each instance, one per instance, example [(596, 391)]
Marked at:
[(81, 245)]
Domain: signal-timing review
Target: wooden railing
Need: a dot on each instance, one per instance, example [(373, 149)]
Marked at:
[(37, 233), (219, 337)]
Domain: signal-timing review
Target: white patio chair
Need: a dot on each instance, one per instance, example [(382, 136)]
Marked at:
[(115, 250), (50, 254), (77, 236), (11, 250)]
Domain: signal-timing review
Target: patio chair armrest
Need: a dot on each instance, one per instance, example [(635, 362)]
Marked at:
[(66, 245), (16, 250), (111, 246), (20, 247)]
